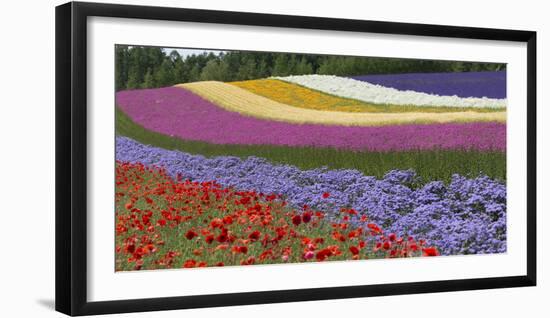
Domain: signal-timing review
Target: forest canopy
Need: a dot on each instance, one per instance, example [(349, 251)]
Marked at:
[(150, 67)]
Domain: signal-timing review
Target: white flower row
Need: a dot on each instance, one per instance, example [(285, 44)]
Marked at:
[(367, 92)]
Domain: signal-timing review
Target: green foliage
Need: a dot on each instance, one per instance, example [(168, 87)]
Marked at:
[(430, 165), (281, 65), (214, 70), (304, 67), (149, 80), (148, 67)]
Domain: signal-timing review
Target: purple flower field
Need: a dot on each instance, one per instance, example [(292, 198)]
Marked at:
[(467, 216), (464, 84), (177, 112)]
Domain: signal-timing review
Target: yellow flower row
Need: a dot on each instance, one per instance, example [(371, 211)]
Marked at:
[(236, 99), (299, 96)]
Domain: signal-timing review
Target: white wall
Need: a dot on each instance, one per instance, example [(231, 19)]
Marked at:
[(27, 158)]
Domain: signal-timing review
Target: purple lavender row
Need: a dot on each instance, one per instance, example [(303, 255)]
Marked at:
[(180, 113), (462, 84), (468, 216)]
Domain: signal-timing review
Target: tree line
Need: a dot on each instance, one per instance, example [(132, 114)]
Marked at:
[(149, 67)]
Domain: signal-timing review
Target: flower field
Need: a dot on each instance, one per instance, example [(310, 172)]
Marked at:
[(181, 113), (165, 223), (430, 165), (310, 168), (450, 215), (299, 96), (235, 99), (465, 84), (368, 92)]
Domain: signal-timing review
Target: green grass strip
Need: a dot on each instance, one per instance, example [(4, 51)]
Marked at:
[(430, 165)]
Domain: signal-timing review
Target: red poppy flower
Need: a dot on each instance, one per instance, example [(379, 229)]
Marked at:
[(386, 245), (189, 263), (216, 222), (326, 195), (222, 238), (265, 254), (354, 250), (239, 249), (323, 254), (150, 248), (254, 235), (248, 261), (190, 234), (296, 220), (245, 200), (121, 229), (374, 228), (338, 236), (306, 217), (227, 219), (130, 248), (208, 239), (430, 251), (392, 237)]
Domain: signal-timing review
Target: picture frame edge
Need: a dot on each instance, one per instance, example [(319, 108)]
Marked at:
[(71, 163)]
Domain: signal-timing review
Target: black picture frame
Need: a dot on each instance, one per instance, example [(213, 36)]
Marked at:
[(71, 157)]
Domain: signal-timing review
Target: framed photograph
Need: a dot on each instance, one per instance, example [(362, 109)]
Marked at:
[(209, 158)]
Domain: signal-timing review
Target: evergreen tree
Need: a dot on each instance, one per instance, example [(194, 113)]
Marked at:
[(121, 66), (165, 74), (247, 70), (133, 77), (280, 65), (214, 71), (195, 74), (149, 80), (139, 67), (304, 67)]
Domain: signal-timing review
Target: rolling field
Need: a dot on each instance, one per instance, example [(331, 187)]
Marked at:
[(465, 216), (166, 223), (465, 84), (236, 99), (430, 165), (299, 96), (310, 168), (368, 92), (180, 113)]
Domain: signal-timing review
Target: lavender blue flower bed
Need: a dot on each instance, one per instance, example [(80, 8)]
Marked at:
[(462, 84), (467, 216)]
